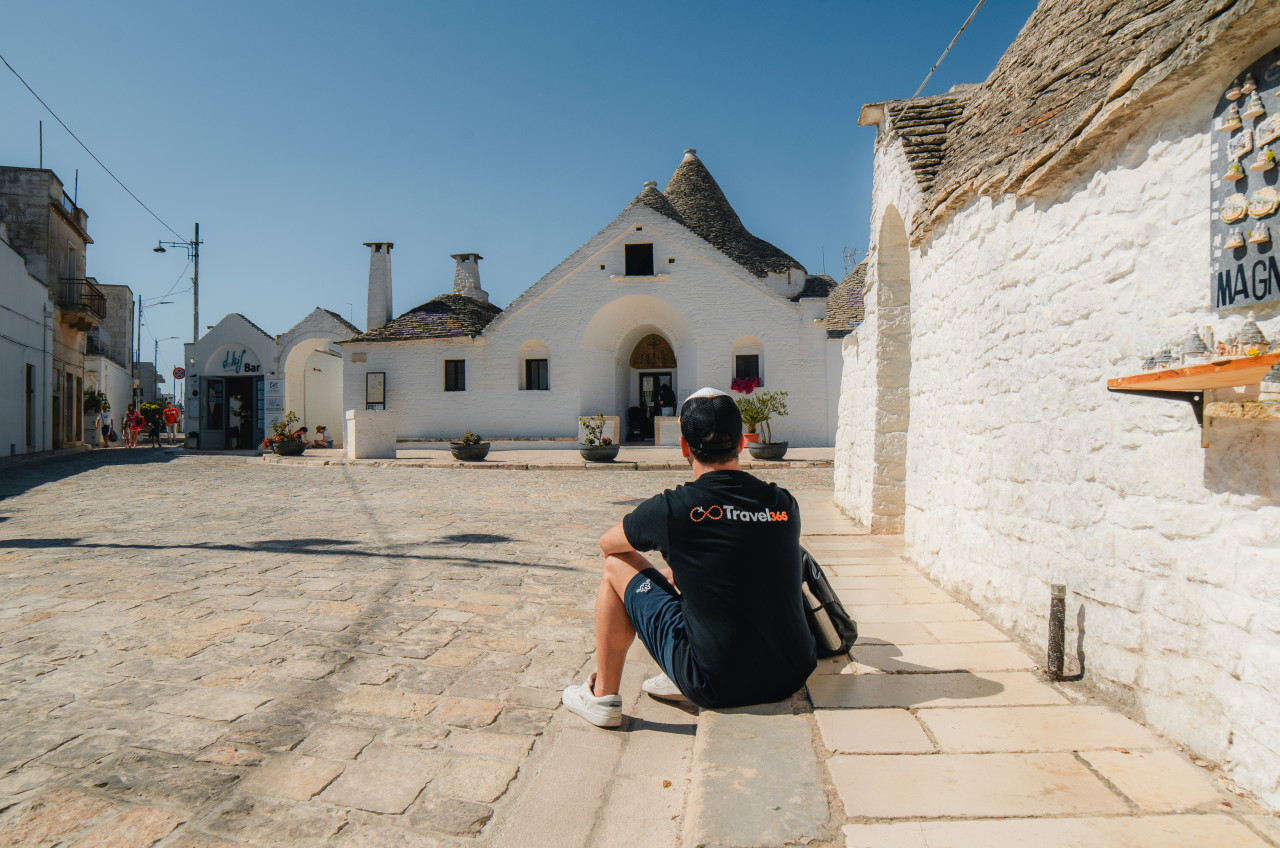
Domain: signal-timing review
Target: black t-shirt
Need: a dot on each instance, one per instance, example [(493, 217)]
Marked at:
[(733, 544)]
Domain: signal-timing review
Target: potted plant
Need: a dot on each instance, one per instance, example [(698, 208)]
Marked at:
[(757, 410), (596, 447), (470, 448), (745, 386), (283, 441)]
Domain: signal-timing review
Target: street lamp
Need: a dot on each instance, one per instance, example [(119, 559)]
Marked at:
[(193, 253)]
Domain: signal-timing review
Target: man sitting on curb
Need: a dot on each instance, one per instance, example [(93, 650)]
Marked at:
[(735, 634)]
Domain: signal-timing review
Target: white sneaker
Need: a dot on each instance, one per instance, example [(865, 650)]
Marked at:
[(661, 686), (605, 711)]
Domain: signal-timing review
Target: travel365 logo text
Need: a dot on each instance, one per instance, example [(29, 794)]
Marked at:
[(734, 514)]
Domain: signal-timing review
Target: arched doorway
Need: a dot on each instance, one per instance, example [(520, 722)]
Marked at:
[(893, 375), (653, 364)]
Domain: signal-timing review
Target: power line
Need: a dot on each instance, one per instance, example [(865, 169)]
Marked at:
[(86, 147), (940, 58)]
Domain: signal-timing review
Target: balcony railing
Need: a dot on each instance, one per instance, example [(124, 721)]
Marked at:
[(78, 293)]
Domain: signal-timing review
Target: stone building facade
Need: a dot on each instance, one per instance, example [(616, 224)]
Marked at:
[(673, 292), (1032, 237), (241, 380), (109, 354), (46, 228)]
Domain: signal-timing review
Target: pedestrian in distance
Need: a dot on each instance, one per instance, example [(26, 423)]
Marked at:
[(170, 416), (735, 632), (154, 428), (133, 423), (102, 423)]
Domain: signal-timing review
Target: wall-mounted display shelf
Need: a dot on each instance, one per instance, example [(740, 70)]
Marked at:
[(1191, 382), (1222, 374)]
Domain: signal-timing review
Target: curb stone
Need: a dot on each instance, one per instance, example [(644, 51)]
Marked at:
[(756, 780)]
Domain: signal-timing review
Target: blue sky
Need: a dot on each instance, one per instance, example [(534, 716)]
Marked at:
[(295, 131)]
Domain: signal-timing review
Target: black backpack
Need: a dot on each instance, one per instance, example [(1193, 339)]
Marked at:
[(832, 628)]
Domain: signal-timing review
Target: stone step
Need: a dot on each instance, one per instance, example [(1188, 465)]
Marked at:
[(756, 780)]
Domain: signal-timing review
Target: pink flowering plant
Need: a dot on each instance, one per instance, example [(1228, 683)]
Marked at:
[(745, 385)]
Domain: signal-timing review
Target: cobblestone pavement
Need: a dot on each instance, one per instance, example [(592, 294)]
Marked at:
[(207, 651)]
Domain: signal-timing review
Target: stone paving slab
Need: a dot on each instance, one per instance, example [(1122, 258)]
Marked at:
[(284, 655), (1011, 729), (918, 728), (1136, 832), (970, 786)]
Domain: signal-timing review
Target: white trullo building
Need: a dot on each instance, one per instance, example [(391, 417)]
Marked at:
[(1035, 237), (674, 291)]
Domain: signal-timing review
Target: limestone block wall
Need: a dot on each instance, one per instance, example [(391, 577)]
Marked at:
[(1022, 470)]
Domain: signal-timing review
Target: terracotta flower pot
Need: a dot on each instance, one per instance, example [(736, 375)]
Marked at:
[(752, 438)]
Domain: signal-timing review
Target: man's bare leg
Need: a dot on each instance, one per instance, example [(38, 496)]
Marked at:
[(614, 633)]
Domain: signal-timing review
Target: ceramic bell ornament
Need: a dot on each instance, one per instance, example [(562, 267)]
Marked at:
[(1236, 239), (1259, 234), (1234, 172), (1249, 86), (1266, 160), (1253, 109), (1231, 120), (1234, 92)]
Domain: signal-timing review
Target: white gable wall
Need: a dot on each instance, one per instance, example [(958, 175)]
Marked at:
[(590, 320)]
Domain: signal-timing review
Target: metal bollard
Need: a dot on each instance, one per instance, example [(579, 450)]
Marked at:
[(1057, 629)]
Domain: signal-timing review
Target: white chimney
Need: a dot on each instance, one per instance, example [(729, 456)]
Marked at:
[(466, 276), (379, 310)]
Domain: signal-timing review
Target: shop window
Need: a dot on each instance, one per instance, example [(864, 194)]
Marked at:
[(639, 260), (746, 365), (455, 375), (536, 375)]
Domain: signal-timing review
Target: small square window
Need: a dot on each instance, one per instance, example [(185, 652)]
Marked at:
[(455, 375), (639, 260), (747, 365), (601, 267), (639, 228), (671, 261), (536, 376)]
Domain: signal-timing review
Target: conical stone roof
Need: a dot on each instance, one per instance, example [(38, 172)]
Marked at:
[(702, 207)]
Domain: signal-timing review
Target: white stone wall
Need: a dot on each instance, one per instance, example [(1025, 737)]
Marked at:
[(26, 338), (1022, 470), (590, 318)]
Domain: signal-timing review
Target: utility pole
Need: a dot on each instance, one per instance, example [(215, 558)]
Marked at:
[(195, 287)]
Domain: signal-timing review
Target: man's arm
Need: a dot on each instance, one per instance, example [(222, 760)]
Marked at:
[(614, 543)]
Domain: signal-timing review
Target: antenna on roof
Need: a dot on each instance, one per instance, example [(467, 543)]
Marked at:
[(948, 50), (824, 258)]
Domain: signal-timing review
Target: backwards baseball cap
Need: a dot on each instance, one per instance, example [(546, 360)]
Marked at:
[(710, 421)]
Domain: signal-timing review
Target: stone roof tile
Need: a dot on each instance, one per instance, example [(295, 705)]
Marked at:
[(443, 317), (815, 285), (703, 208), (845, 304), (1078, 73)]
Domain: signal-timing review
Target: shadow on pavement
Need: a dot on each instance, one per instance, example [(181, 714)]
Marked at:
[(329, 547), (17, 477)]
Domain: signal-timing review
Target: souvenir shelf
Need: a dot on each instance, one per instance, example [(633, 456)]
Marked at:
[(1223, 374), (1191, 382)]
